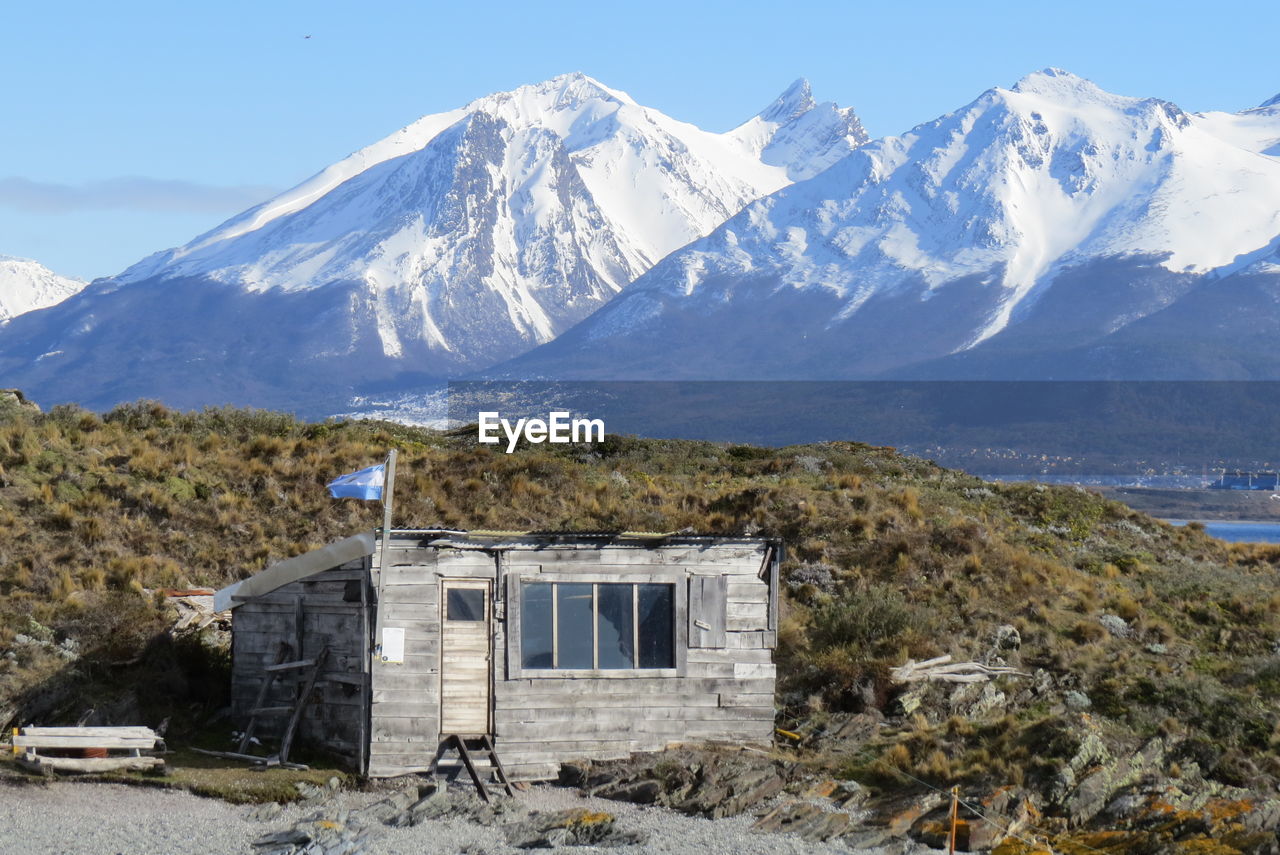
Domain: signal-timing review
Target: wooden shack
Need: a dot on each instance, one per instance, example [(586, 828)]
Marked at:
[(557, 646)]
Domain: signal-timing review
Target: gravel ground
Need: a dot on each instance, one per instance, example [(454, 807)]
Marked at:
[(63, 818)]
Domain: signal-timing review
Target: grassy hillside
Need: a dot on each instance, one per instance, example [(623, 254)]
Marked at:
[(1132, 629)]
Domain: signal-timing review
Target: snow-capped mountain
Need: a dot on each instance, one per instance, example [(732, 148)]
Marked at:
[(463, 239), (1048, 230), (26, 285)]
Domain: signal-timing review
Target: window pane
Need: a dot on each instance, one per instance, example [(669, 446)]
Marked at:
[(657, 621), (574, 603), (535, 625), (615, 635), (464, 604)]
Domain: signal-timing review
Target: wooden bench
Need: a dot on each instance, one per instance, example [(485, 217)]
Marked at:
[(87, 749)]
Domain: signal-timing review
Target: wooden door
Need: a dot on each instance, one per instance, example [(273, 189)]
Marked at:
[(465, 672)]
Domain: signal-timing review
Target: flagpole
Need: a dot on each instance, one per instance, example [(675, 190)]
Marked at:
[(388, 488)]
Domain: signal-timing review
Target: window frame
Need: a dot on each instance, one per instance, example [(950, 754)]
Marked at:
[(679, 629)]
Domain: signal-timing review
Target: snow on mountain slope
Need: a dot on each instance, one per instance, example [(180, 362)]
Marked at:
[(1256, 130), (461, 240), (26, 285), (933, 242), (651, 185), (569, 191), (799, 134)]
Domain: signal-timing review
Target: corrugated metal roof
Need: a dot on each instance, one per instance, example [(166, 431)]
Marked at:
[(366, 543)]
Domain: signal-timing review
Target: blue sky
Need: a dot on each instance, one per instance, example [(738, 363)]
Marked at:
[(133, 126)]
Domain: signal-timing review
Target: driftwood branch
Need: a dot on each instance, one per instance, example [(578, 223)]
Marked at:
[(943, 670)]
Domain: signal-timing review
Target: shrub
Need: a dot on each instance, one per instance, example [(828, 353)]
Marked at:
[(876, 615)]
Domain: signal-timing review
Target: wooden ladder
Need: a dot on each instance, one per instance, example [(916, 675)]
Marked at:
[(310, 669), (484, 744)]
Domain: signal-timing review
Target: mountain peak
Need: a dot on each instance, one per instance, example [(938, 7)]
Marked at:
[(26, 285), (564, 91), (795, 101), (1271, 102), (1056, 81)]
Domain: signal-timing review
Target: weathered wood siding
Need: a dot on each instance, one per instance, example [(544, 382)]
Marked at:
[(323, 609), (385, 717), (405, 713), (725, 693)]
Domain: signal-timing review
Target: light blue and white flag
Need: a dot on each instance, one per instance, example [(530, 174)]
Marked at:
[(365, 484)]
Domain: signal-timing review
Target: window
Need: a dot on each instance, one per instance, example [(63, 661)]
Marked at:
[(464, 604), (598, 626)]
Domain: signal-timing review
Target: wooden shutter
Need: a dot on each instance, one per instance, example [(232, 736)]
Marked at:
[(707, 597)]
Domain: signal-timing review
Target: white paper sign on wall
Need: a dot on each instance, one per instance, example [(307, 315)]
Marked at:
[(393, 645)]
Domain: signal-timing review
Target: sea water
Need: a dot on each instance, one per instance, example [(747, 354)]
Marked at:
[(1241, 532)]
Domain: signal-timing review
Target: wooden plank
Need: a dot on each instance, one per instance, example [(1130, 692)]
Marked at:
[(753, 640), (747, 592), (397, 556), (508, 691), (390, 677), (415, 628), (283, 604), (753, 611), (395, 612), (761, 657), (290, 570), (456, 691), (424, 744), (361, 753), (419, 595), (771, 570), (752, 623), (340, 626), (746, 699), (544, 556), (712, 670), (422, 757), (638, 701), (601, 675), (707, 610), (291, 666), (405, 709), (423, 704), (571, 717), (395, 770), (395, 577), (463, 651), (86, 765), (710, 721), (733, 730), (124, 742), (565, 749), (416, 694), (415, 662), (124, 730)]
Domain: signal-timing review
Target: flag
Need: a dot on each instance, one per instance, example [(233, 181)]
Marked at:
[(365, 484)]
